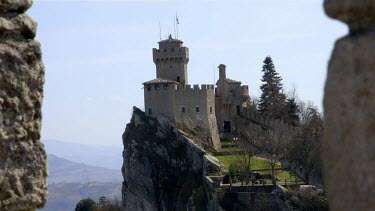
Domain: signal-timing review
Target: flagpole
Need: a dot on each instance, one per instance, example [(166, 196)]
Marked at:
[(159, 30), (174, 25), (177, 23)]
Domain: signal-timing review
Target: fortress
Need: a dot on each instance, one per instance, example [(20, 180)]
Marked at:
[(203, 109)]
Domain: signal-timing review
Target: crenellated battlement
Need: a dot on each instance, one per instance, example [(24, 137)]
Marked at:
[(196, 87)]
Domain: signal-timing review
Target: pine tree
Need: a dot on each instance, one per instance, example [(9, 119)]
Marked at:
[(272, 101), (292, 112)]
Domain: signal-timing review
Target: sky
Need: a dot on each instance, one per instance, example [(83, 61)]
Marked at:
[(97, 54)]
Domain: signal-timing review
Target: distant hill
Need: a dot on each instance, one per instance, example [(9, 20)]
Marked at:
[(65, 196), (94, 155), (63, 170), (69, 182)]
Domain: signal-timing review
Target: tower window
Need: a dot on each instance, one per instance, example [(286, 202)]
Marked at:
[(183, 109), (166, 86), (157, 87), (210, 109), (150, 111), (197, 109), (178, 79), (148, 87)]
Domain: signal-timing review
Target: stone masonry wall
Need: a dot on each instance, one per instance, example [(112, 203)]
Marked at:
[(23, 172), (349, 109), (160, 101), (203, 123)]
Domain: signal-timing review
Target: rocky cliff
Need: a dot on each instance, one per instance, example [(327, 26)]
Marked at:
[(23, 172), (163, 169)]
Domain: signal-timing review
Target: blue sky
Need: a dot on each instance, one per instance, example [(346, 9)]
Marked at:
[(98, 53)]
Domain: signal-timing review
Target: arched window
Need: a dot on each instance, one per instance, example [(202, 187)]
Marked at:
[(162, 60), (172, 59), (176, 59), (157, 61), (180, 59), (166, 60)]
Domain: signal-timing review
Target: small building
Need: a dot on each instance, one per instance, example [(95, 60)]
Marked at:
[(230, 100)]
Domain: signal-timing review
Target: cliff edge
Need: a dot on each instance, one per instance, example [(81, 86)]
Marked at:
[(163, 169)]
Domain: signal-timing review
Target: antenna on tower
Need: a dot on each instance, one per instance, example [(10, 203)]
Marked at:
[(213, 68), (160, 30)]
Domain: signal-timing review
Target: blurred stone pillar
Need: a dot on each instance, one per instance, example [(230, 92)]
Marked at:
[(23, 172), (349, 109)]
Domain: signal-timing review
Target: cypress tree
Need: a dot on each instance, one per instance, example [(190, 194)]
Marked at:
[(272, 101), (292, 112)]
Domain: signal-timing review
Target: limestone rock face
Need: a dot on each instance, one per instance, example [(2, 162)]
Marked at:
[(358, 14), (23, 172), (17, 6), (162, 169), (349, 109)]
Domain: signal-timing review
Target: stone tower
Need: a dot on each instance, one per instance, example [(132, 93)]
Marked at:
[(171, 60)]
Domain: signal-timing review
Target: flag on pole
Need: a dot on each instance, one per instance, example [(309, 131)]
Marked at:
[(177, 21)]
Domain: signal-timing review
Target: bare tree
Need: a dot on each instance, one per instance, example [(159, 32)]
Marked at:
[(306, 148), (274, 142), (271, 142)]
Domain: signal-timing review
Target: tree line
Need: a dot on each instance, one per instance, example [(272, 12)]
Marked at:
[(297, 141)]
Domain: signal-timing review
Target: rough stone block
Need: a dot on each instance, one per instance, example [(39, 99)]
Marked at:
[(358, 14), (15, 5), (23, 172), (349, 110)]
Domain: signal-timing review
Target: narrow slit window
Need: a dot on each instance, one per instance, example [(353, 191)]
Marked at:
[(183, 109), (197, 109)]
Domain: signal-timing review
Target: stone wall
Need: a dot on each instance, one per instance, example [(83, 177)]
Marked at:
[(180, 103), (161, 101), (23, 172), (349, 109), (230, 96), (203, 123), (171, 60)]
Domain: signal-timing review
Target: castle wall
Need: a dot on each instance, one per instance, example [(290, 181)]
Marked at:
[(160, 101), (229, 96), (202, 122)]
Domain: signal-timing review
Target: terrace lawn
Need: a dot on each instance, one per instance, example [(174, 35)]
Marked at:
[(256, 164)]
